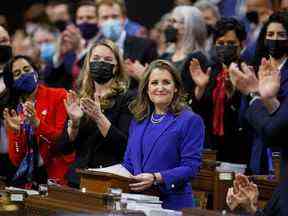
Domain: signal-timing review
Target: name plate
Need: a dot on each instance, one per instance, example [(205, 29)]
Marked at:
[(225, 176), (17, 197)]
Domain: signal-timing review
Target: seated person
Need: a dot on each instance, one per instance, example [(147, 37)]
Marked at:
[(165, 138)]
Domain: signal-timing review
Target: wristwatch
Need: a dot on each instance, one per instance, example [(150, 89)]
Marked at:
[(155, 183)]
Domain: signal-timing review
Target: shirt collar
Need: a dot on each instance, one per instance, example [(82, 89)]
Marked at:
[(120, 41), (282, 64)]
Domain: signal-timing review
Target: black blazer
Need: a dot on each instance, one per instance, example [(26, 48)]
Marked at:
[(92, 149), (234, 139)]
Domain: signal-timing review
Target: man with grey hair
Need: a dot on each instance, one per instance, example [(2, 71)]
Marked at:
[(209, 11), (211, 15)]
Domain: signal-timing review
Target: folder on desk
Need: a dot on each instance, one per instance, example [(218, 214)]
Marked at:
[(100, 180)]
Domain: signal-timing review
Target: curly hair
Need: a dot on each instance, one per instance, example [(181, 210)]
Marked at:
[(227, 24)]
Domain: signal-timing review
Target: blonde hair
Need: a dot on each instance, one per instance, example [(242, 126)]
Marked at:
[(119, 83)]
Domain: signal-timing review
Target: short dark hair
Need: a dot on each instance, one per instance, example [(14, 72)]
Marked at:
[(85, 3), (57, 2), (227, 24)]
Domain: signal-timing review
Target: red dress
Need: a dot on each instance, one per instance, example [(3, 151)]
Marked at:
[(50, 109)]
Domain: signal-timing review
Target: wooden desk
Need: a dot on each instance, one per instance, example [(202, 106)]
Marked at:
[(71, 200), (215, 185)]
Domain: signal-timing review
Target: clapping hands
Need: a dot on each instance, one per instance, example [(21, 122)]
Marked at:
[(245, 80), (243, 193), (76, 107)]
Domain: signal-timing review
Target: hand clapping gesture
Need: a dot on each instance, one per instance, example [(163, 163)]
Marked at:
[(12, 120), (72, 105), (244, 80), (269, 80), (91, 107), (30, 113), (244, 194), (200, 78)]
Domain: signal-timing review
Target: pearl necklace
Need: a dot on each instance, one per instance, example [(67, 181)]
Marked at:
[(156, 121)]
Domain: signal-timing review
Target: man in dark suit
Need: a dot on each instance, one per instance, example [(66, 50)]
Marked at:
[(269, 117)]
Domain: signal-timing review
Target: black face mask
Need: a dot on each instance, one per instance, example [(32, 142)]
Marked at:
[(276, 48), (210, 29), (170, 34), (5, 53), (252, 17), (101, 71), (226, 53)]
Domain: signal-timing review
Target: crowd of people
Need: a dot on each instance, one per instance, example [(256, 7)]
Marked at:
[(87, 87)]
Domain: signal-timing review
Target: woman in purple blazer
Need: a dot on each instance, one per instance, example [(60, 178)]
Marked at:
[(165, 138)]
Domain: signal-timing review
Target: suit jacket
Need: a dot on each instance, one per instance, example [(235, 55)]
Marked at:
[(271, 128), (175, 152), (277, 205), (92, 149), (268, 128), (51, 111)]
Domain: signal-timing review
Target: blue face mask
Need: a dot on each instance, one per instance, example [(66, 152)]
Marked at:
[(47, 51), (26, 83), (112, 29)]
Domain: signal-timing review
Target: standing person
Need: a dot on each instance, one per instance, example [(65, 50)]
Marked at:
[(186, 28), (272, 45), (213, 95), (165, 138), (38, 116), (99, 117)]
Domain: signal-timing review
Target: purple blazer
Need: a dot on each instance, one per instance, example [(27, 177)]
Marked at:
[(175, 152)]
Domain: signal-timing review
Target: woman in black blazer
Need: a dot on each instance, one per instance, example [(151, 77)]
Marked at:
[(98, 116)]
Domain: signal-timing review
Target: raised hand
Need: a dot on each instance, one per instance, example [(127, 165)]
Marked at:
[(244, 80), (269, 80), (200, 78), (12, 120), (91, 108), (72, 105), (30, 113)]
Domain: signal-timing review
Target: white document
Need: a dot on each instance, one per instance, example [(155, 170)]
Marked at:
[(29, 192), (116, 169)]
